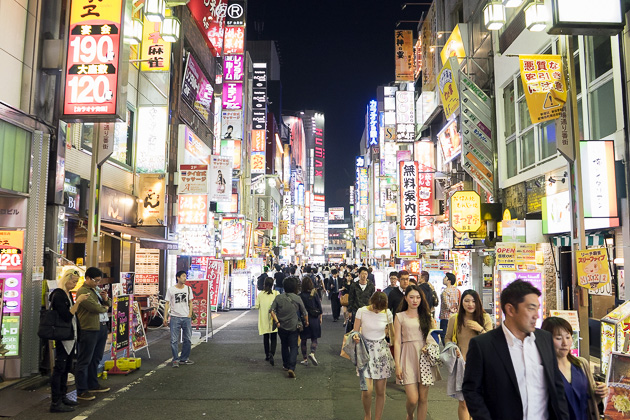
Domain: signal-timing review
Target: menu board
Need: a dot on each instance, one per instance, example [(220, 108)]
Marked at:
[(10, 332), (214, 276), (147, 276), (11, 250), (12, 294), (138, 336), (199, 301), (120, 323)]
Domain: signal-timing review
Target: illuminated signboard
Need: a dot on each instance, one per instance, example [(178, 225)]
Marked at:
[(381, 235), (231, 125), (259, 97), (336, 213), (407, 246), (155, 52), (424, 155), (372, 124), (12, 292), (465, 211), (232, 95), (232, 148), (405, 116), (233, 68), (220, 178), (409, 195), (210, 19), (193, 179), (197, 91), (93, 64), (598, 178), (404, 55), (320, 154), (234, 40), (195, 150), (192, 209), (233, 237), (151, 139), (11, 250), (450, 141)]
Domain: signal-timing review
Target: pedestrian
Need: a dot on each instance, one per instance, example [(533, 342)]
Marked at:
[(428, 290), (93, 319), (372, 321), (289, 314), (470, 321), (411, 331), (345, 291), (266, 326), (397, 295), (61, 301), (179, 301), (260, 281), (393, 283), (313, 305), (449, 302), (582, 392), (279, 278), (333, 285), (532, 389), (360, 293)]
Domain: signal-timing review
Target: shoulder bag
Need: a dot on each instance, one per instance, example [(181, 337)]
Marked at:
[(300, 325), (52, 327), (313, 311)]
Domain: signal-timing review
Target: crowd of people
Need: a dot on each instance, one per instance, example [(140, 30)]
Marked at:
[(514, 371)]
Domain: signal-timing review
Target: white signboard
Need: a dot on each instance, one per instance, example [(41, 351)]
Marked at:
[(151, 144), (405, 116), (220, 188), (193, 179)]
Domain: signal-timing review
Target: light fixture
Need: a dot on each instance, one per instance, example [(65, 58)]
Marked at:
[(512, 3), (155, 10), (170, 29), (173, 3), (494, 15), (536, 16), (136, 32)]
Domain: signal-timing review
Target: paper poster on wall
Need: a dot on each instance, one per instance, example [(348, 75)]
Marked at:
[(593, 269), (220, 188)]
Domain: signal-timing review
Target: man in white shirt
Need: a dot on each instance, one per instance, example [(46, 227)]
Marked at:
[(179, 301), (512, 371)]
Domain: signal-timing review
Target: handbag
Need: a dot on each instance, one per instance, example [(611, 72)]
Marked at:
[(300, 325), (52, 327), (314, 311), (343, 300)]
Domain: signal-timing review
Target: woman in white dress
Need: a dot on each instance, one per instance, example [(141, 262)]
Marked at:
[(266, 326)]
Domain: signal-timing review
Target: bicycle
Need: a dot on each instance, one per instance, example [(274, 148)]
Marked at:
[(156, 318)]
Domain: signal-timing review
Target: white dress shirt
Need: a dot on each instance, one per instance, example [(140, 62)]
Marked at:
[(530, 374)]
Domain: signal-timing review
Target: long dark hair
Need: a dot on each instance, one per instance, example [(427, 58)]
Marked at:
[(268, 288), (556, 325), (424, 314), (477, 315)]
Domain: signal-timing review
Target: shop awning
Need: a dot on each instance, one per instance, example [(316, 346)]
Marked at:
[(592, 239), (147, 240)]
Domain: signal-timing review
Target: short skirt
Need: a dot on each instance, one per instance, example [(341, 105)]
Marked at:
[(381, 364)]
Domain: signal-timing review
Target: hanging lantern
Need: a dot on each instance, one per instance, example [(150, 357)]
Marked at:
[(512, 3), (494, 15), (155, 10), (536, 16), (170, 29), (136, 33)]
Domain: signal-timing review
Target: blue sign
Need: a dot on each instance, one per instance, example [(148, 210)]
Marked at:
[(360, 161), (407, 246), (372, 124)]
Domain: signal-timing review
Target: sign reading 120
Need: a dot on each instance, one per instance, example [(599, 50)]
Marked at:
[(93, 58)]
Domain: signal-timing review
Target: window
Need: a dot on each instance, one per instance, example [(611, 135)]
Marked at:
[(15, 157), (600, 56), (602, 111), (508, 102)]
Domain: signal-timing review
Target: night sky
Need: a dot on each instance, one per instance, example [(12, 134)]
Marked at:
[(334, 54)]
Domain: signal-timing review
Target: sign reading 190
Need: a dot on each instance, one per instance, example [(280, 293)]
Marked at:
[(91, 71)]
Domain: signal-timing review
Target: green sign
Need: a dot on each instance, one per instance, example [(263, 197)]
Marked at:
[(11, 334)]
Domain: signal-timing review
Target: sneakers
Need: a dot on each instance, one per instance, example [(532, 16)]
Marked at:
[(291, 374), (85, 396), (186, 362), (100, 388), (175, 364), (304, 362), (271, 361), (69, 402), (313, 359), (70, 379), (60, 408)]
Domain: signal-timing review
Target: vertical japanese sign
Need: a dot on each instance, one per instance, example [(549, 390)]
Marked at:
[(93, 63), (193, 179), (564, 133), (407, 246), (192, 209), (593, 268), (259, 97), (215, 277), (544, 86), (220, 179), (209, 15), (409, 195), (428, 36), (151, 190), (319, 160), (197, 91), (447, 85), (232, 95), (405, 116), (465, 211), (257, 157), (151, 139), (598, 175), (120, 323), (199, 301), (404, 56), (138, 336), (233, 68), (10, 332), (155, 52), (235, 40), (233, 237), (425, 156), (372, 124)]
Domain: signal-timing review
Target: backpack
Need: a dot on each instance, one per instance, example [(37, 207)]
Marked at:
[(260, 285)]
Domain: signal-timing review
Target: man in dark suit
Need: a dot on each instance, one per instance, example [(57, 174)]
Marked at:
[(398, 294), (332, 286), (512, 371)]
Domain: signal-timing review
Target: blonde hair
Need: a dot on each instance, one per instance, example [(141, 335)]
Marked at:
[(66, 277)]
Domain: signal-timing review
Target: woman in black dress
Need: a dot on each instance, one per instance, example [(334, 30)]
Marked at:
[(313, 306)]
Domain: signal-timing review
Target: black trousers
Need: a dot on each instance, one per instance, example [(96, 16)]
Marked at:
[(270, 341), (59, 377), (335, 305)]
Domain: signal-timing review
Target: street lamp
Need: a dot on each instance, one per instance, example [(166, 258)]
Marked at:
[(536, 16), (155, 10), (494, 15), (170, 29)]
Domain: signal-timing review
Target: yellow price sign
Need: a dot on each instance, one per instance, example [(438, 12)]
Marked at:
[(592, 268)]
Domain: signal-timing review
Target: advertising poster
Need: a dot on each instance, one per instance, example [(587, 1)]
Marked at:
[(192, 210), (232, 148), (447, 84), (598, 178), (381, 235), (407, 246), (210, 19), (233, 237), (405, 116), (454, 46), (404, 56), (215, 278), (232, 125), (12, 293), (120, 323), (11, 334), (126, 282), (92, 66), (220, 188), (11, 250), (465, 211), (450, 141), (193, 179), (197, 91), (535, 278), (544, 86), (151, 190), (241, 290), (138, 336), (617, 404), (462, 269), (199, 301), (506, 256), (593, 268), (233, 68)]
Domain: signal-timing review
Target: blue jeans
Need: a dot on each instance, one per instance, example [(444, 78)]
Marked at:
[(289, 345), (184, 324), (279, 289), (443, 327), (91, 347)]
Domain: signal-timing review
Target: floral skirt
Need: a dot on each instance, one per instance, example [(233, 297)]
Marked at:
[(381, 364)]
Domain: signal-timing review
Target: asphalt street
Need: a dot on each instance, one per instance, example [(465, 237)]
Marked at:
[(231, 380)]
